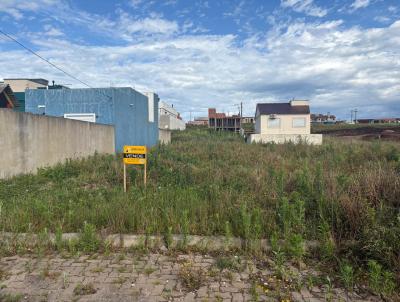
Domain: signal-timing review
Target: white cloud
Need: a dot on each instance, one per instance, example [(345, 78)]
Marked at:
[(304, 6), (149, 25), (357, 4), (16, 7), (333, 66)]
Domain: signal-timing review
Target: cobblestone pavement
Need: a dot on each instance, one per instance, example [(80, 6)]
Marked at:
[(156, 277)]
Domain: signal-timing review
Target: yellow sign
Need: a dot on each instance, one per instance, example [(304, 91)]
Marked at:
[(135, 155)]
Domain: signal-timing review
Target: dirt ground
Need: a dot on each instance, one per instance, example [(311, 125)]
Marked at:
[(366, 133), (159, 277)]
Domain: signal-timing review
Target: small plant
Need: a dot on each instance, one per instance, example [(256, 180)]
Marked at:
[(327, 243), (375, 275), (228, 235), (389, 284), (10, 297), (88, 239), (59, 243), (192, 278), (4, 275), (65, 280), (254, 293), (246, 224), (329, 289), (230, 263), (295, 247), (347, 275), (185, 227), (84, 289), (168, 237), (43, 242), (149, 270)]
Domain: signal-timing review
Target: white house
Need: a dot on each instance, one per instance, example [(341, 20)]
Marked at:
[(169, 118), (282, 122)]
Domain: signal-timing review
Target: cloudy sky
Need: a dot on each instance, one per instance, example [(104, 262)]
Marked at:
[(197, 54)]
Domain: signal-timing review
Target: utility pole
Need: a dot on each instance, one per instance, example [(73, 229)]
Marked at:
[(351, 116), (355, 116)]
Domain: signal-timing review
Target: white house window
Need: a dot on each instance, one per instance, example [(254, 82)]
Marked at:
[(299, 122), (274, 123)]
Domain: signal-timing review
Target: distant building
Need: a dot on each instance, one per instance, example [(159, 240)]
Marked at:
[(134, 115), (169, 118), (19, 85), (199, 121), (220, 121), (323, 118), (378, 121), (7, 97), (282, 122)]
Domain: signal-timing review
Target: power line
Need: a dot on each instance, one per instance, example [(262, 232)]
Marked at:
[(44, 59)]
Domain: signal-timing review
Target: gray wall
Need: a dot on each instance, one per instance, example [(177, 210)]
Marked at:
[(29, 141)]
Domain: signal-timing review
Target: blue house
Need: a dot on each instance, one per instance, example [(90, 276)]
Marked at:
[(133, 114)]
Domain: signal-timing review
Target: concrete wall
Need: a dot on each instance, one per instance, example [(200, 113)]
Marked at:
[(22, 84), (168, 118), (29, 141), (286, 124), (312, 139), (123, 107), (171, 123), (164, 136)]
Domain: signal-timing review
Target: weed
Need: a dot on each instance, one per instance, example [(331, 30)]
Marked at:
[(168, 237), (327, 244), (185, 227), (97, 269), (4, 275), (149, 270), (347, 275), (295, 247), (84, 289), (10, 297), (389, 285), (228, 235), (375, 275), (230, 263), (65, 281), (59, 243), (88, 239), (380, 281), (191, 277), (349, 188)]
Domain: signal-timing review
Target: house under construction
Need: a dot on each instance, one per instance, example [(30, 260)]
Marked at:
[(220, 121)]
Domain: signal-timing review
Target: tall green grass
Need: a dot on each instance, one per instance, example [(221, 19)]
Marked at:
[(209, 182)]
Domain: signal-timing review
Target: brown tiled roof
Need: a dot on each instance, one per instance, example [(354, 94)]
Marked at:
[(282, 108)]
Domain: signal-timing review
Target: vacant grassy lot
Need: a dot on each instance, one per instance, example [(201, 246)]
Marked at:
[(345, 195)]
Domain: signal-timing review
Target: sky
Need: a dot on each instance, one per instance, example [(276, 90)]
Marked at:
[(339, 54)]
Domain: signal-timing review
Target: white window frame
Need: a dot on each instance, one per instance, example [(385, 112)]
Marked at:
[(272, 126), (295, 125), (84, 117)]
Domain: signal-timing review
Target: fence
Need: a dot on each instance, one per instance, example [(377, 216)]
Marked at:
[(29, 141)]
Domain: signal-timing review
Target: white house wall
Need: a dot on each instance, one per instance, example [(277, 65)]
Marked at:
[(286, 124)]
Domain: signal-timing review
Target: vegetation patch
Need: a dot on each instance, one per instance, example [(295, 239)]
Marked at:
[(343, 194), (84, 289), (191, 277)]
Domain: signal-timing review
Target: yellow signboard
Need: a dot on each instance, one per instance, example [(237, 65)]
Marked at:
[(135, 155)]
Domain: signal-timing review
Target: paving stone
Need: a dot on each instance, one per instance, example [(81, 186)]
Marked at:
[(126, 279)]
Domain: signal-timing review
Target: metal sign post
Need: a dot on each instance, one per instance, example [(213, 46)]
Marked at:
[(135, 155)]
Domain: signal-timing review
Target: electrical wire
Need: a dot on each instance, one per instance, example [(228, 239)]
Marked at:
[(48, 62)]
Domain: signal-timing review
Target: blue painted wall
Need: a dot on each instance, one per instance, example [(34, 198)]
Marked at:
[(125, 108)]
